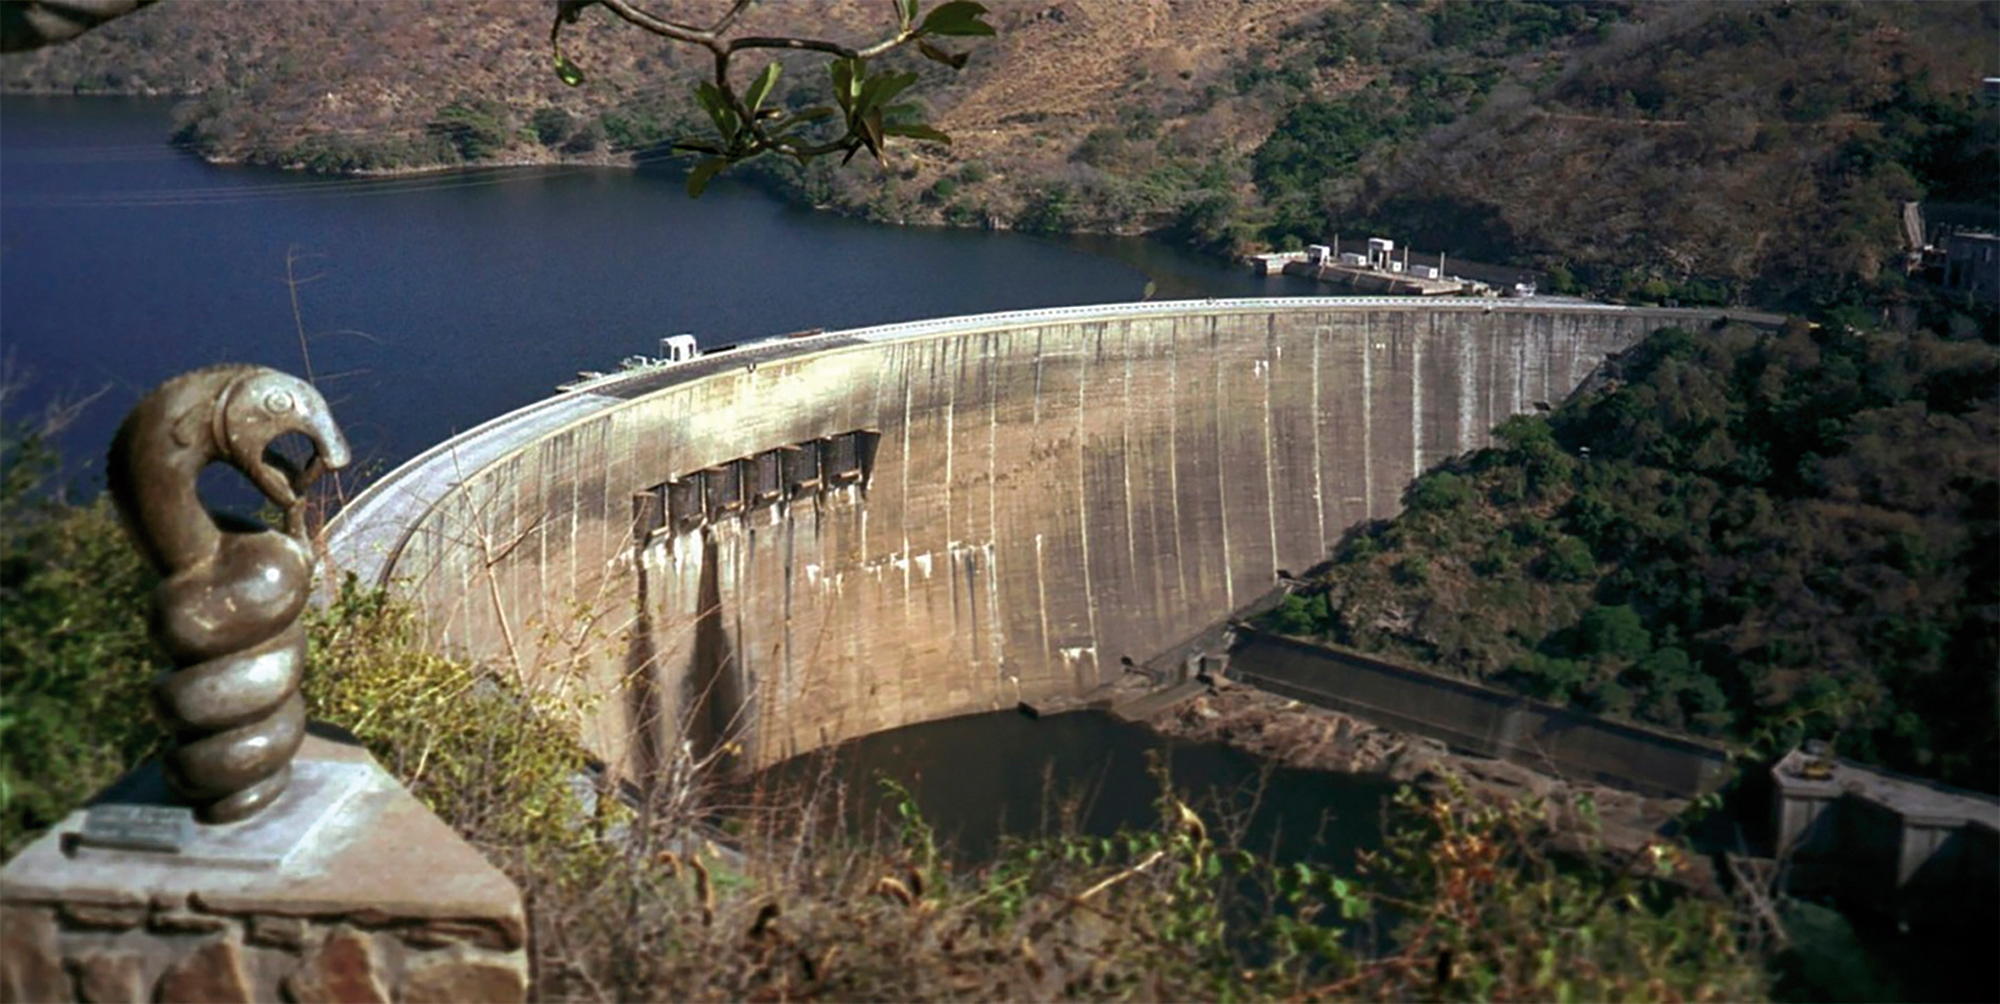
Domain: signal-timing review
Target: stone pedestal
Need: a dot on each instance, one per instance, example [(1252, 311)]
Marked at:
[(348, 889)]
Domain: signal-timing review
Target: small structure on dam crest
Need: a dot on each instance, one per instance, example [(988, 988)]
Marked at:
[(226, 870)]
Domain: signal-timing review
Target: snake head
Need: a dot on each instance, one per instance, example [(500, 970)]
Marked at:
[(261, 406)]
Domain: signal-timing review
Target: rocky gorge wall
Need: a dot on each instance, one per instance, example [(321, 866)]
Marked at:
[(805, 541)]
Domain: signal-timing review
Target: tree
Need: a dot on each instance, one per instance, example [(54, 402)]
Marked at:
[(552, 125), (864, 108), (476, 127)]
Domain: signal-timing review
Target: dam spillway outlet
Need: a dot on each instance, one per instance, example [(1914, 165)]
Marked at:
[(806, 540), (738, 487)]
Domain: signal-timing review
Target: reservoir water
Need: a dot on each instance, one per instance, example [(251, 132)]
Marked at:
[(433, 303)]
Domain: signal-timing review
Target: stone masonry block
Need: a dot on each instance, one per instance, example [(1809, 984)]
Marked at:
[(344, 968), (115, 918), (110, 977), (478, 934), (211, 974), (30, 961), (464, 977), (277, 932)]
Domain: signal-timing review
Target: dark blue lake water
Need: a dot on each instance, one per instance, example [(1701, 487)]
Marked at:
[(439, 301)]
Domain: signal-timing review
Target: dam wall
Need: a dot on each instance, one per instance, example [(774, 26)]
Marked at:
[(795, 543)]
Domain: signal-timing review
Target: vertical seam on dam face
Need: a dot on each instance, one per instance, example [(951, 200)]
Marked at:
[(1319, 480), (1368, 349), (1083, 508), (949, 376), (849, 648), (909, 399), (1468, 391), (1417, 339), (1273, 356), (1216, 395), (990, 373), (1125, 454), (1174, 411)]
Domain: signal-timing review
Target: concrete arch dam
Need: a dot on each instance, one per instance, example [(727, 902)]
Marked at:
[(806, 540)]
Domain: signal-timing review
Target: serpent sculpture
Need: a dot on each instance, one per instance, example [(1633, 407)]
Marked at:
[(227, 610)]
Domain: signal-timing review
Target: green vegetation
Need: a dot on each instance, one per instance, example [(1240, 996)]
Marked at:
[(477, 128), (1760, 536), (76, 665)]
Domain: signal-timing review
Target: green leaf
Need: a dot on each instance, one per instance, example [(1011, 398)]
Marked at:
[(869, 128), (760, 88), (813, 114), (909, 12), (847, 78), (959, 17), (801, 118), (718, 109), (916, 130), (955, 60), (702, 174), (881, 88), (567, 71)]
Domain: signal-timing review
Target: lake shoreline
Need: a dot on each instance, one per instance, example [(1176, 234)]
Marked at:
[(525, 157)]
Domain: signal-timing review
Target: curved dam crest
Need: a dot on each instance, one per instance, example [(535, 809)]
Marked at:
[(807, 540)]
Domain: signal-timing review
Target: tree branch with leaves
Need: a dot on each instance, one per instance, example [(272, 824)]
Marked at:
[(864, 107)]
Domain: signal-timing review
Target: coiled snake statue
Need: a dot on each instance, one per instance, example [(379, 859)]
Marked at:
[(227, 610)]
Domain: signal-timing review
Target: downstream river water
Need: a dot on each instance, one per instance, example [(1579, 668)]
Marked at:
[(433, 303)]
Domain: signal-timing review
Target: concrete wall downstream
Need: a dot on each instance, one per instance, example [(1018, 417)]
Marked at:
[(1554, 740), (801, 542)]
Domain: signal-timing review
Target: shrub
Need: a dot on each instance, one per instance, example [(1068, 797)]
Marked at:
[(552, 125), (1490, 914), (477, 128), (1303, 615), (76, 664), (1050, 210), (487, 756), (586, 139), (1441, 491), (1569, 560)]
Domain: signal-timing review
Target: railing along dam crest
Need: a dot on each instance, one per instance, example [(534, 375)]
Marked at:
[(805, 540)]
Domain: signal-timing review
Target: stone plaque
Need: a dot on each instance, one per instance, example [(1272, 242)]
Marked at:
[(139, 827)]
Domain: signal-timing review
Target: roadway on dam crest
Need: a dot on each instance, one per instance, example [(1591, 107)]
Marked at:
[(808, 539)]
